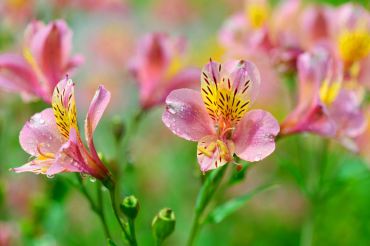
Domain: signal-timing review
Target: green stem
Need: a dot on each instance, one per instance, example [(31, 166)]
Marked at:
[(131, 225), (205, 195), (307, 229), (132, 241), (101, 209), (315, 196), (97, 210)]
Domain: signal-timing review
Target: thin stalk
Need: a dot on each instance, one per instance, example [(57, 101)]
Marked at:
[(101, 209), (132, 241), (131, 225), (205, 195), (307, 229), (97, 210)]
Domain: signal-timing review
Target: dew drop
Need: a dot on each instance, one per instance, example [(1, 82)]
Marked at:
[(92, 179), (83, 175), (49, 176)]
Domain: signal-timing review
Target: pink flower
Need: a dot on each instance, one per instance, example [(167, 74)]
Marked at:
[(218, 117), (158, 68), (53, 138), (45, 60), (325, 107)]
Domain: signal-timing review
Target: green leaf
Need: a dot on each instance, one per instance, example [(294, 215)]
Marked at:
[(224, 210)]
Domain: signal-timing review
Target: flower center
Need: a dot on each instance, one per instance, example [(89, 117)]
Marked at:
[(354, 45), (64, 108)]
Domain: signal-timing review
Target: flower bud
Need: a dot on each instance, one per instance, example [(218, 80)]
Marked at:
[(130, 206), (163, 224), (118, 128)]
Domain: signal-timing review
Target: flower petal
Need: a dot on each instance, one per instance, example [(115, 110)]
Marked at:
[(186, 115), (35, 166), (213, 153), (64, 107), (229, 89), (40, 134), (96, 110), (347, 114), (254, 137), (16, 75), (49, 47)]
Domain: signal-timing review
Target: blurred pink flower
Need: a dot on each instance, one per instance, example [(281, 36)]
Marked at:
[(218, 117), (158, 68), (53, 138), (258, 30), (8, 234), (45, 60), (16, 11), (325, 107)]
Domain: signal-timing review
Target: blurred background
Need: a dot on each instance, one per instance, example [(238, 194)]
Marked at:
[(163, 171)]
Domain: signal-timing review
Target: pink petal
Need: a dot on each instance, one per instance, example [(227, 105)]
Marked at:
[(347, 114), (81, 159), (242, 73), (215, 160), (151, 60), (186, 115), (17, 76), (40, 133), (312, 118), (34, 166), (96, 110), (312, 70), (254, 136), (51, 46)]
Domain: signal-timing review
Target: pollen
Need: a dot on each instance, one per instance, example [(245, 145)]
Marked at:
[(257, 15), (354, 45)]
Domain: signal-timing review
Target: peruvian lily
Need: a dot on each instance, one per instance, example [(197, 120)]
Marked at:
[(53, 139), (218, 117), (158, 68), (45, 61), (325, 106)]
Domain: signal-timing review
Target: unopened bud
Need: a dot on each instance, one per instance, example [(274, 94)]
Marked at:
[(118, 128), (130, 206), (163, 224)]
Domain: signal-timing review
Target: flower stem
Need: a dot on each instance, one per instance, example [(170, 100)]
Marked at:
[(97, 210), (131, 225), (101, 209), (205, 195), (130, 239)]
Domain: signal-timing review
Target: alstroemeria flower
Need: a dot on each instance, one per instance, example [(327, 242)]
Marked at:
[(325, 106), (53, 139), (45, 61), (158, 68), (218, 117)]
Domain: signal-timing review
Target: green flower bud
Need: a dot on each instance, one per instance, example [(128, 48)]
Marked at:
[(118, 128), (163, 224), (130, 206)]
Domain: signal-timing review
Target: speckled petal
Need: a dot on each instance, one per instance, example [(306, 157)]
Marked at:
[(40, 133), (186, 115), (254, 137)]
